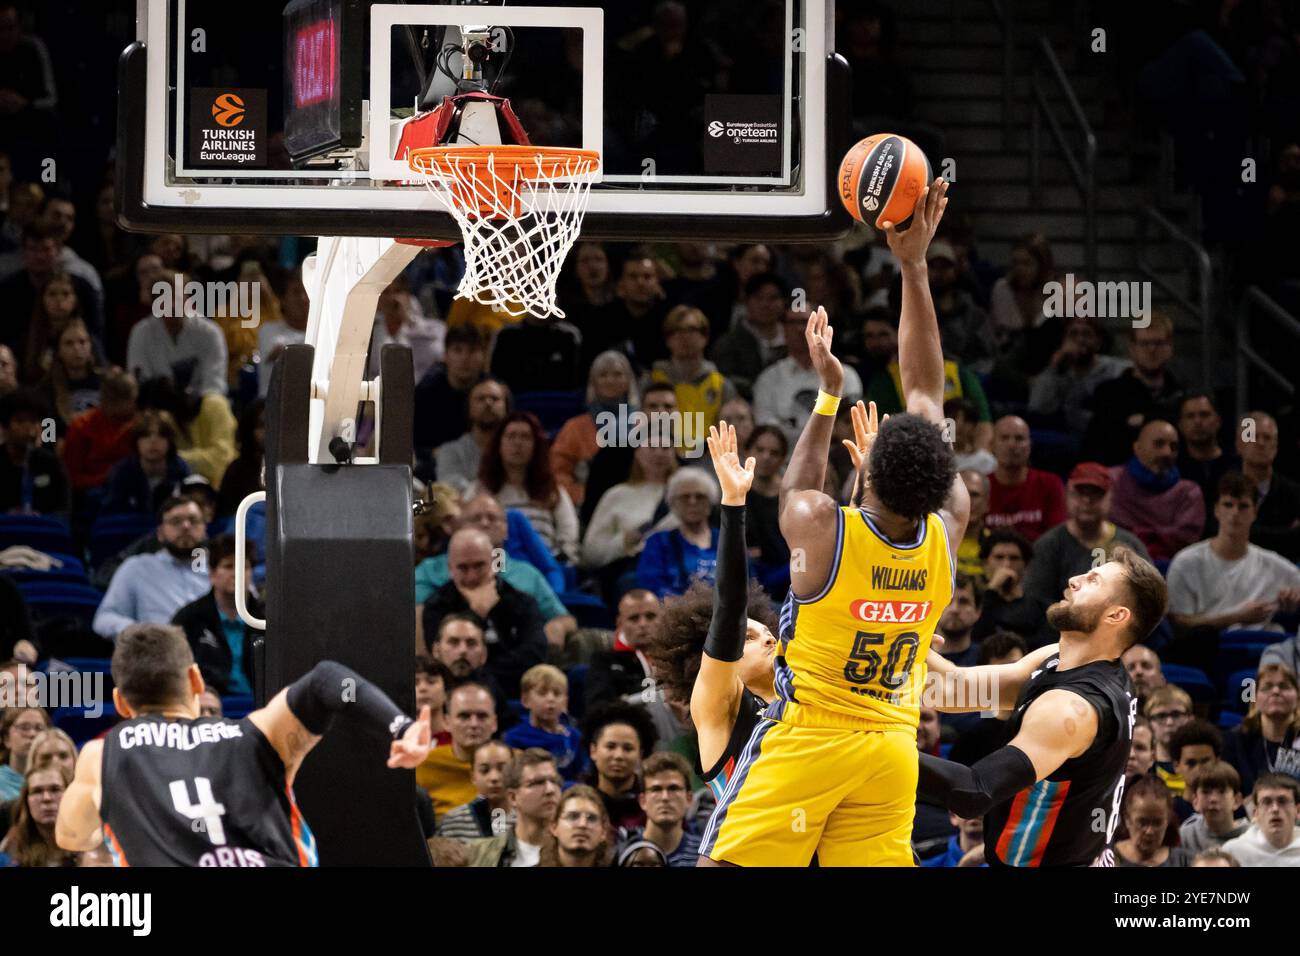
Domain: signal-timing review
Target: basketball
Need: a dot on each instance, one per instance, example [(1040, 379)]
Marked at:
[(881, 178)]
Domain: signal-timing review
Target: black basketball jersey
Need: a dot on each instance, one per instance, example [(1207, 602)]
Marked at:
[(749, 714), (205, 792), (1068, 818)]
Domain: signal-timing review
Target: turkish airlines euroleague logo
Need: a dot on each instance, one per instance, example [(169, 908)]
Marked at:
[(227, 128), (890, 612), (228, 110)]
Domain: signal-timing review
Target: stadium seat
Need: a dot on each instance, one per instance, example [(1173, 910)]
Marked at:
[(1229, 720), (1231, 658), (255, 525), (70, 570), (577, 675), (77, 723), (61, 597), (1246, 635), (112, 533), (589, 610), (1234, 687), (552, 409), (1191, 679), (38, 532), (233, 708)]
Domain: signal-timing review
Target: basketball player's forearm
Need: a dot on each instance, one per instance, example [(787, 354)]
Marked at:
[(726, 637), (920, 354), (971, 792), (807, 468), (330, 689)]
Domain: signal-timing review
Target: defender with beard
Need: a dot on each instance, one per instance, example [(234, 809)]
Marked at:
[(1069, 735)]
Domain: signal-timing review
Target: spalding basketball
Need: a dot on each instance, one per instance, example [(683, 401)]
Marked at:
[(881, 178)]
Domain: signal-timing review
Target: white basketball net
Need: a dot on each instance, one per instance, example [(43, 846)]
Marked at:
[(518, 224)]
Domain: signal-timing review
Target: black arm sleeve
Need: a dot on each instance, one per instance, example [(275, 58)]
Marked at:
[(726, 639), (329, 689), (971, 792)]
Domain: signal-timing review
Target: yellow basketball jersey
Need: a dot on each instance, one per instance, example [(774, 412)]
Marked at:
[(853, 656)]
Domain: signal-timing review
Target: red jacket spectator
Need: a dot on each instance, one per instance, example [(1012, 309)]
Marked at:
[(1024, 499), (99, 438)]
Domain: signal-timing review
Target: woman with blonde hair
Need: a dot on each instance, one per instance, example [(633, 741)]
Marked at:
[(52, 747), (610, 383), (1268, 739)]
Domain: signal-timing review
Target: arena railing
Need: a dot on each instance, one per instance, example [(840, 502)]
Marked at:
[(1255, 301), (1200, 270), (1085, 173)]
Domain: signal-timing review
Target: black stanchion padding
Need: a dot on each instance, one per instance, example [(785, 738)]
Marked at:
[(340, 581), (288, 407), (397, 424)]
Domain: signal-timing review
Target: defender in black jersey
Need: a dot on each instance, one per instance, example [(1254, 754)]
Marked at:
[(167, 787), (1069, 735), (730, 683)]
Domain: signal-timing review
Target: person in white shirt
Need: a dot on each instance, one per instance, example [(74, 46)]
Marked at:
[(1272, 839), (624, 514), (784, 394), (1228, 582), (180, 345), (151, 588)]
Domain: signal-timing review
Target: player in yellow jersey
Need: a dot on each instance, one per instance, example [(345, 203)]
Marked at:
[(832, 770)]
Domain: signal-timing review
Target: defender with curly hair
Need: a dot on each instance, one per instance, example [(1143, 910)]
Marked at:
[(713, 647)]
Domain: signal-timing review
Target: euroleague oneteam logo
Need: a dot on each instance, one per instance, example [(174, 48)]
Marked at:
[(228, 109), (716, 129)]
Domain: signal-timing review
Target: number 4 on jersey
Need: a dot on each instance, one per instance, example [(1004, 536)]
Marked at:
[(206, 809)]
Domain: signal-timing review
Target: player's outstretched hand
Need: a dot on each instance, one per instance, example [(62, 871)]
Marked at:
[(865, 426), (819, 334), (410, 751), (909, 247), (734, 477)]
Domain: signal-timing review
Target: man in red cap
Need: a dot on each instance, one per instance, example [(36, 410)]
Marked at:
[(1083, 542)]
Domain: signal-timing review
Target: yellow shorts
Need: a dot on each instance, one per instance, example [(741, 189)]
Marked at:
[(848, 795)]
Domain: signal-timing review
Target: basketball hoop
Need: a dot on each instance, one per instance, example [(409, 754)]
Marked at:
[(520, 209)]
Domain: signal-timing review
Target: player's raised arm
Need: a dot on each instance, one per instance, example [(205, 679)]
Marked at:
[(807, 468), (920, 355), (718, 687), (962, 690), (300, 714), (79, 827), (1057, 726)]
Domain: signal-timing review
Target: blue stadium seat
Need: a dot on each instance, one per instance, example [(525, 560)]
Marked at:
[(1234, 690), (1246, 635), (589, 610), (577, 675), (1228, 720), (39, 532), (77, 723), (62, 597), (112, 533), (552, 409), (255, 525), (71, 571), (1232, 658), (1191, 679), (234, 708)]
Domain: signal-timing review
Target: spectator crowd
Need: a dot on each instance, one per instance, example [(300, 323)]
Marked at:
[(549, 544)]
